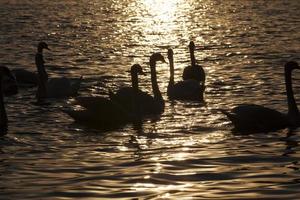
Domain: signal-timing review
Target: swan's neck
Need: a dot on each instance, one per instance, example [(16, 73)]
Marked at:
[(135, 98), (171, 80), (292, 106), (192, 55), (40, 63), (42, 75), (155, 88), (134, 81), (3, 116), (40, 50)]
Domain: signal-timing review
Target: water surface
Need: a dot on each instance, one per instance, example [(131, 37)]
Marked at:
[(190, 151)]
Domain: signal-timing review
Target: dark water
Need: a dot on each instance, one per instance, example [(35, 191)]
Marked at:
[(189, 152)]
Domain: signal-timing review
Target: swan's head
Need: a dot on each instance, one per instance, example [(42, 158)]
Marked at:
[(170, 54), (192, 45), (8, 82), (291, 65), (155, 57), (43, 45), (137, 69)]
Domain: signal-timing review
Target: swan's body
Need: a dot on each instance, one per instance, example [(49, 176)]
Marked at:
[(124, 96), (56, 87), (250, 118), (25, 78), (8, 86), (147, 105), (194, 71), (183, 90), (67, 87), (106, 113), (100, 112), (63, 87)]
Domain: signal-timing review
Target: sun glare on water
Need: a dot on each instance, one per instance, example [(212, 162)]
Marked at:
[(161, 10), (162, 20)]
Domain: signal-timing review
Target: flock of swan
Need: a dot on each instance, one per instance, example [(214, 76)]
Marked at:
[(131, 105)]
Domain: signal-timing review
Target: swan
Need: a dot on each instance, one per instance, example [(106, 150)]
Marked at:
[(8, 86), (56, 87), (147, 105), (251, 118), (100, 113), (25, 78), (106, 113), (194, 71), (183, 90)]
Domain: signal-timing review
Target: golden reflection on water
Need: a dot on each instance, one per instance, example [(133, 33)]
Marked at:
[(161, 10), (161, 21), (160, 188)]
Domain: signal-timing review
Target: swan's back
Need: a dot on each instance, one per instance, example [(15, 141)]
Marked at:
[(63, 87), (125, 97), (25, 77), (195, 73), (250, 118), (99, 112), (186, 90)]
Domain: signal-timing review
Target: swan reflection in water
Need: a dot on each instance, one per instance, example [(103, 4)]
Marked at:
[(250, 118)]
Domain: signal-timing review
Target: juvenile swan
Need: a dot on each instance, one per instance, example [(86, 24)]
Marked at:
[(183, 90), (194, 71), (250, 118), (8, 86)]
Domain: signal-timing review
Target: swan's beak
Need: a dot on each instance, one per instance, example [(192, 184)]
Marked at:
[(163, 60), (142, 73), (46, 47)]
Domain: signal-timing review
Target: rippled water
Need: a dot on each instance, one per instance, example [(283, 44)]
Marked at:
[(189, 152)]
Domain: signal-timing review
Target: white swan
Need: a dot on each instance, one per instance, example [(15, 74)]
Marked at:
[(194, 71), (183, 90), (8, 86), (250, 118), (104, 113), (56, 87), (147, 105)]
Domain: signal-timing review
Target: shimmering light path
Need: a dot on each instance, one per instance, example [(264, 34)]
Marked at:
[(189, 152)]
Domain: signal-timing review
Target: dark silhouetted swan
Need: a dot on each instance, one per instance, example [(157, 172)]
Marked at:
[(25, 78), (100, 113), (8, 86), (56, 87), (147, 104), (183, 90), (194, 71), (104, 113), (250, 118)]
